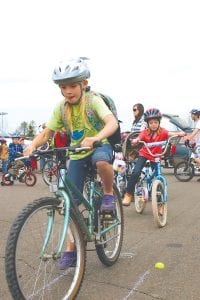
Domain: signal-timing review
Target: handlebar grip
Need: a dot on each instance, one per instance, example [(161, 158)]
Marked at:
[(187, 143), (97, 144), (118, 148)]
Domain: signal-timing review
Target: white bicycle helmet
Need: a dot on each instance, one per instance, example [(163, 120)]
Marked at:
[(72, 71)]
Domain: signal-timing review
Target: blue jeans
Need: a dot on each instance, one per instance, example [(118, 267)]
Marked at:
[(4, 166), (139, 165), (78, 169)]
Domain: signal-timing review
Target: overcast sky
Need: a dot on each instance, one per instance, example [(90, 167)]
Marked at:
[(144, 51)]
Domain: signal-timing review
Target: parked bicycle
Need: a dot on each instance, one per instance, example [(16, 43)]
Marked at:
[(50, 170), (21, 172), (185, 170), (152, 184), (37, 237)]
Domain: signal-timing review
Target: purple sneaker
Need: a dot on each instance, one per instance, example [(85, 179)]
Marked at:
[(67, 260), (108, 203)]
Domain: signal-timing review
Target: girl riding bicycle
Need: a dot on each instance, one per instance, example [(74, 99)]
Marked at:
[(154, 133)]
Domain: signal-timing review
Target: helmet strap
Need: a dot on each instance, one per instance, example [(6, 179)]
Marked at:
[(81, 88)]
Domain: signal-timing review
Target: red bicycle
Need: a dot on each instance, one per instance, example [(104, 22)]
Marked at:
[(19, 171)]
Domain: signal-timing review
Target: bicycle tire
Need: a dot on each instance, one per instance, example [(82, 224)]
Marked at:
[(183, 171), (49, 171), (28, 274), (5, 181), (157, 200), (109, 251), (141, 200), (30, 179)]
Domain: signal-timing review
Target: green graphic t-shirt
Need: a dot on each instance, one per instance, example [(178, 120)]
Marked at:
[(81, 130)]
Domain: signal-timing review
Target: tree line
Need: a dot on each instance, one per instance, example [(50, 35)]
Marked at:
[(27, 129)]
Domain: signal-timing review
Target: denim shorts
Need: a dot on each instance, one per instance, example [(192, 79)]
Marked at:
[(78, 169), (103, 153)]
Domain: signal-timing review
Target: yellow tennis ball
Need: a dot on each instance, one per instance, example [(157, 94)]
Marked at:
[(159, 265)]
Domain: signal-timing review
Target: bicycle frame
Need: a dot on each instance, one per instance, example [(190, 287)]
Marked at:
[(157, 173), (65, 189), (191, 155)]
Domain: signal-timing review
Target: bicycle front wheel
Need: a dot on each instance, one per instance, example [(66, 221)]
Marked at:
[(32, 274), (30, 179), (110, 244), (159, 206), (184, 171), (49, 171)]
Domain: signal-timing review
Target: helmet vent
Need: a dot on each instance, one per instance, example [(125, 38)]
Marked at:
[(71, 71), (67, 67)]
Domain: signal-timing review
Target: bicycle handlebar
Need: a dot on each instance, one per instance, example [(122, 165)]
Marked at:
[(162, 143), (73, 149)]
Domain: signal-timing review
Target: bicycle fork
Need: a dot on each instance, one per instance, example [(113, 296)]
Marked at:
[(163, 180), (64, 208), (65, 211)]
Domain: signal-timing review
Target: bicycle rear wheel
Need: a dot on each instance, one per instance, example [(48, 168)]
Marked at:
[(32, 275), (159, 207), (141, 197), (109, 247), (184, 171), (49, 171)]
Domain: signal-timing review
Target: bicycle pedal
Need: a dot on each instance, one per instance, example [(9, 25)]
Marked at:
[(107, 217), (109, 213)]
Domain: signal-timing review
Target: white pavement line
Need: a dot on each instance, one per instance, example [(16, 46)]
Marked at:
[(137, 284)]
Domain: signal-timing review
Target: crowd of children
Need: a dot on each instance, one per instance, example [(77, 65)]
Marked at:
[(8, 152)]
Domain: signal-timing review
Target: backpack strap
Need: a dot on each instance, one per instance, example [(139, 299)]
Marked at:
[(63, 115), (92, 117)]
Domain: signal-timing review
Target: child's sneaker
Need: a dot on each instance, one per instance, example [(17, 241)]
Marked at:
[(67, 260), (108, 203)]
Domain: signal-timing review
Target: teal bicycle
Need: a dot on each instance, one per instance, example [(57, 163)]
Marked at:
[(42, 231), (153, 185)]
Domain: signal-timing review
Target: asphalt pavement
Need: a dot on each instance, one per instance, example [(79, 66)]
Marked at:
[(134, 276)]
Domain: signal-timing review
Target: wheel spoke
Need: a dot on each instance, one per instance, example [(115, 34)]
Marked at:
[(35, 275)]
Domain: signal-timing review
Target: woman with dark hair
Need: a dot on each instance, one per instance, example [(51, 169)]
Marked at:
[(138, 123)]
